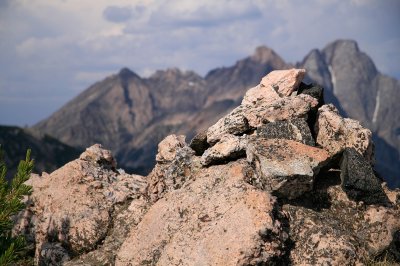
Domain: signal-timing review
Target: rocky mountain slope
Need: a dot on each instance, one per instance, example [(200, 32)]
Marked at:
[(48, 153), (280, 180), (130, 115)]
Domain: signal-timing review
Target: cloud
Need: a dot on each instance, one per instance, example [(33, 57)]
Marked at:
[(117, 14), (204, 14)]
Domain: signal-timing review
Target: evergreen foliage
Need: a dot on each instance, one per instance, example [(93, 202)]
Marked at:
[(11, 194)]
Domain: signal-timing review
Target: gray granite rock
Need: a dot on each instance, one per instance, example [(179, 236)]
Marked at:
[(234, 123), (285, 167), (228, 148), (295, 129)]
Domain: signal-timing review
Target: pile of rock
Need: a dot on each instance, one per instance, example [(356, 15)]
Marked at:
[(282, 179)]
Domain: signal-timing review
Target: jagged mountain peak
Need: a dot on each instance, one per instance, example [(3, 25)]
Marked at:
[(126, 73), (346, 53), (264, 54), (347, 44), (314, 53)]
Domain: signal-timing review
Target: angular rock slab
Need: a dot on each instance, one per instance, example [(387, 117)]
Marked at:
[(358, 179), (234, 123), (260, 95), (70, 209), (218, 219), (276, 84), (228, 148), (284, 82), (280, 109), (285, 167), (295, 129), (335, 133)]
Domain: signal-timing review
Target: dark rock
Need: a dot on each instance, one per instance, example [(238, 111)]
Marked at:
[(53, 254), (316, 92), (199, 143), (126, 73), (295, 129), (313, 90), (393, 251), (358, 179)]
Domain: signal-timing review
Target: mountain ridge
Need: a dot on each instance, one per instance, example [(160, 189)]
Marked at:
[(47, 152)]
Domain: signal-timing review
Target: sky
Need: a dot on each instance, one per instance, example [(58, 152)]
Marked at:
[(51, 50)]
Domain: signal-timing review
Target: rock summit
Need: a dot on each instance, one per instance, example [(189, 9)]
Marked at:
[(281, 180)]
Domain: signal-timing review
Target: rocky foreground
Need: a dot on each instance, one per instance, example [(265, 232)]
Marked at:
[(282, 179)]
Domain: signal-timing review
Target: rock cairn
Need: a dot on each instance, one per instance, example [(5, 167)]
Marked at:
[(283, 179)]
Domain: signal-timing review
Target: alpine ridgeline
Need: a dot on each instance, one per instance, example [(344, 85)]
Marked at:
[(47, 152), (130, 115), (280, 180)]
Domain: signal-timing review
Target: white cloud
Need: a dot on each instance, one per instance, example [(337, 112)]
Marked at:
[(203, 13)]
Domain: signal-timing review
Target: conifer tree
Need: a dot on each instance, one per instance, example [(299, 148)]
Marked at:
[(11, 194)]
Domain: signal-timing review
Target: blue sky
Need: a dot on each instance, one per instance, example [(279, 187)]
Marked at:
[(51, 50)]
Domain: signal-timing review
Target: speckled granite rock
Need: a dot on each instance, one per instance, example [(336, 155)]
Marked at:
[(284, 82), (327, 228), (234, 123), (71, 210), (335, 133), (295, 129), (171, 174), (218, 219), (285, 167), (230, 147)]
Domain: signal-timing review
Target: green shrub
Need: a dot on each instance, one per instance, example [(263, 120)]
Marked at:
[(12, 248)]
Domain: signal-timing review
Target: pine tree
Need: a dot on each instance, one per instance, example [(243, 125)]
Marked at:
[(11, 194)]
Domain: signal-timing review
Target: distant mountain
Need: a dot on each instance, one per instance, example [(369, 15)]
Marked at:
[(48, 153), (130, 115)]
